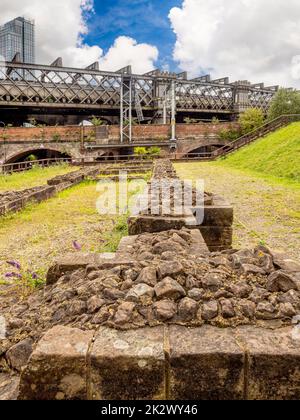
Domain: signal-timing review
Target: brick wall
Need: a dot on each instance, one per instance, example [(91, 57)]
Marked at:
[(141, 132)]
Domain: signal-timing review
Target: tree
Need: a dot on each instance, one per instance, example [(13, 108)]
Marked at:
[(285, 101), (251, 119)]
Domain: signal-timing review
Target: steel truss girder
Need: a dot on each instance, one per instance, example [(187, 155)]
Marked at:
[(49, 86)]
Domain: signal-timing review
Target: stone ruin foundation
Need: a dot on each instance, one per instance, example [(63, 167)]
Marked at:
[(162, 318), (216, 228)]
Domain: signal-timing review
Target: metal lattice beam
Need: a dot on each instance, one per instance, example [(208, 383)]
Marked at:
[(54, 86)]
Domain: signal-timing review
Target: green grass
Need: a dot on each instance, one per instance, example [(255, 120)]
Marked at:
[(42, 232), (266, 208), (112, 239), (277, 155), (32, 178)]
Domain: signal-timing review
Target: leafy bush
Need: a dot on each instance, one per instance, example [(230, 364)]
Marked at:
[(215, 121), (140, 151), (251, 119), (285, 101), (189, 120), (147, 152), (97, 122), (230, 135), (32, 158), (154, 151)]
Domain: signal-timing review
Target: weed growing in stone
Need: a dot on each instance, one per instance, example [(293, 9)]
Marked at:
[(24, 279)]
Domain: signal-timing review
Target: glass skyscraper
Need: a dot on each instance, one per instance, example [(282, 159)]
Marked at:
[(18, 36)]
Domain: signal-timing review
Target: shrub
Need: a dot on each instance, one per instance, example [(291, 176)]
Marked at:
[(154, 151), (251, 119), (147, 152), (97, 122), (32, 158), (189, 120), (230, 135), (140, 151), (215, 121), (285, 101)]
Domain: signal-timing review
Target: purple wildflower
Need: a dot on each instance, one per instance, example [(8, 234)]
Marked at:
[(34, 276), (13, 275), (77, 246), (14, 264)]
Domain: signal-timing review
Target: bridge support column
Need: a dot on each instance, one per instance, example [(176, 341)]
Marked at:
[(242, 96)]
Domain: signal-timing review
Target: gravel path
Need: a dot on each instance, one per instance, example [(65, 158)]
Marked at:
[(265, 211)]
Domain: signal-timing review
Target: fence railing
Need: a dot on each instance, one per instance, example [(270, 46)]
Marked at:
[(248, 138), (27, 165)]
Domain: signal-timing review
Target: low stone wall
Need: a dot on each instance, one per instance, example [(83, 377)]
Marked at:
[(165, 363), (13, 201), (216, 226)]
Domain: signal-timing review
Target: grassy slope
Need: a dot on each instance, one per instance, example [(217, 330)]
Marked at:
[(276, 155), (266, 210), (33, 178)]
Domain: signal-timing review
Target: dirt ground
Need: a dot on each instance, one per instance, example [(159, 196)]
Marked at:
[(266, 211)]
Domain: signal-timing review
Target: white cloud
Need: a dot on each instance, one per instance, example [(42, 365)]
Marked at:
[(60, 27), (126, 51), (244, 39)]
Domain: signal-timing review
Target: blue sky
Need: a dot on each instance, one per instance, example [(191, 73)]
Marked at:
[(145, 21)]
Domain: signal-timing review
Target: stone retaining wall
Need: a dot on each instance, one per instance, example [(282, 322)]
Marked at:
[(172, 363)]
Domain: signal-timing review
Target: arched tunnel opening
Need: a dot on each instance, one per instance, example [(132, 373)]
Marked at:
[(25, 160), (203, 151)]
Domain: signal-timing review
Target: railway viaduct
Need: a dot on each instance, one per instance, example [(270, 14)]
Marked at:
[(60, 95), (96, 143), (142, 110)]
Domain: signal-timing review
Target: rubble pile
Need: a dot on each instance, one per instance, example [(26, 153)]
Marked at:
[(165, 284)]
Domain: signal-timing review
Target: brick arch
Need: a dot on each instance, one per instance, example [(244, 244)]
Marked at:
[(41, 153), (190, 146)]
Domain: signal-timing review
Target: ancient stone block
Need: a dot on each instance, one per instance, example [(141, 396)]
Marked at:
[(71, 262), (141, 224), (57, 369), (205, 364), (273, 365), (217, 238), (218, 215), (127, 365)]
